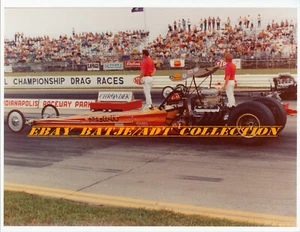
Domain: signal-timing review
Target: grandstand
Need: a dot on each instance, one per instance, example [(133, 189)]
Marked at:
[(272, 44)]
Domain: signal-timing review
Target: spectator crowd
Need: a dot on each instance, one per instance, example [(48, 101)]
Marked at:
[(209, 40), (80, 48), (205, 40)]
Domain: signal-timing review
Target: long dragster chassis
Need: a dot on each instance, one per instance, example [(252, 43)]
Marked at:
[(185, 111)]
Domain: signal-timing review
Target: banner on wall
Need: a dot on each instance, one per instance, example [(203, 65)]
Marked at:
[(222, 63), (93, 67), (21, 103), (132, 63), (237, 63), (177, 63), (8, 69), (119, 96), (67, 103), (67, 81), (113, 66)]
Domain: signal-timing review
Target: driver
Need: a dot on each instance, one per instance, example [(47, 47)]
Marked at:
[(229, 80)]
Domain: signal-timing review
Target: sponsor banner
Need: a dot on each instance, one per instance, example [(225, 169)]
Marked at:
[(123, 96), (113, 66), (21, 103), (132, 63), (123, 82), (222, 63), (93, 67), (8, 69), (40, 103), (66, 104), (237, 63), (155, 131), (92, 82), (67, 82), (177, 63)]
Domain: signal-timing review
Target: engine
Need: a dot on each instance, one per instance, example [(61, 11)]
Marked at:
[(209, 100), (207, 109)]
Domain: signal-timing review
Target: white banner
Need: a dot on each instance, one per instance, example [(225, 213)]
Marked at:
[(68, 82), (113, 66), (177, 63), (124, 96), (119, 82), (237, 63), (8, 69), (93, 67), (222, 63)]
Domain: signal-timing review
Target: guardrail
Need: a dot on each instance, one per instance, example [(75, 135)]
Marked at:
[(245, 63)]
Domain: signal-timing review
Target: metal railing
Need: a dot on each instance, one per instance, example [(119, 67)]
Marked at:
[(165, 65)]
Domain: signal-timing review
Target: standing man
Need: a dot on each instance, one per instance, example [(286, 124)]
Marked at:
[(229, 80), (183, 24), (209, 23), (258, 20), (218, 21), (201, 24), (248, 21), (189, 24), (240, 22), (213, 21), (147, 71)]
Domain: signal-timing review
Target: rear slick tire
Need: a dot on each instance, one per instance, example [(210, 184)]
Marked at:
[(277, 110), (252, 114)]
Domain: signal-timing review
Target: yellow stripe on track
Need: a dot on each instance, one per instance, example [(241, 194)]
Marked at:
[(251, 217)]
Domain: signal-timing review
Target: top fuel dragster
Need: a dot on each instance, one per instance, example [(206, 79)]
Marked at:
[(183, 107)]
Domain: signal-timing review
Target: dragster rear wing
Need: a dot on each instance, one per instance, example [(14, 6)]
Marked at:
[(195, 72)]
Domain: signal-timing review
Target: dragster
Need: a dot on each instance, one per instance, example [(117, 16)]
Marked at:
[(184, 106)]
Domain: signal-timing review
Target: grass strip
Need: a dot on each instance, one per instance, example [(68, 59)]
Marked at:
[(23, 209)]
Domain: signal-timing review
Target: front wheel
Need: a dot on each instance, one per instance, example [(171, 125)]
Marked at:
[(16, 121), (49, 111), (253, 115)]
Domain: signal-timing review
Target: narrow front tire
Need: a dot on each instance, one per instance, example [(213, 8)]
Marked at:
[(16, 121)]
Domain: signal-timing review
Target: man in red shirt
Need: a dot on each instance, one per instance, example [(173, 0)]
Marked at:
[(229, 79), (147, 71)]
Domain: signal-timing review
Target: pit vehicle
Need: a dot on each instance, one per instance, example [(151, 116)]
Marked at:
[(285, 85), (184, 106)]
